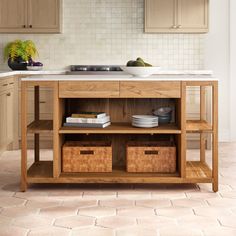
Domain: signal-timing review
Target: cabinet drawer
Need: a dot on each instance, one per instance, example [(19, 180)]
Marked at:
[(150, 89), (88, 89), (6, 84)]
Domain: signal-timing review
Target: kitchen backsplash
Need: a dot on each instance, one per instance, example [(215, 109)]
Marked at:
[(111, 32)]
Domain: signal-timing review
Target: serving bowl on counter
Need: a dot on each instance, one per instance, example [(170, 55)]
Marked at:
[(34, 68), (140, 71)]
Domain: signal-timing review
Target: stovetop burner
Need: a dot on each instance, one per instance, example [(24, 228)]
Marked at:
[(103, 68)]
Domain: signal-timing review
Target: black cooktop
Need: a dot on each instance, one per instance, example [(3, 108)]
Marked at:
[(103, 68)]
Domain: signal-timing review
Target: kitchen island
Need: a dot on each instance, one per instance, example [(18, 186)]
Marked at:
[(121, 96)]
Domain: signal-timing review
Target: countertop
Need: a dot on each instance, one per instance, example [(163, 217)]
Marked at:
[(60, 75), (28, 72), (120, 77)]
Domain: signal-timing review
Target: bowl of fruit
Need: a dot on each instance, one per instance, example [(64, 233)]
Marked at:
[(140, 68), (34, 66)]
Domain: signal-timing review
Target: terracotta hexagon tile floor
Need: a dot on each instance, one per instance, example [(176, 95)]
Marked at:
[(58, 211), (117, 203), (74, 221), (154, 203), (97, 211), (118, 210), (115, 222), (30, 222)]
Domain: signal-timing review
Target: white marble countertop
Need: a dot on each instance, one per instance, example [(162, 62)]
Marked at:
[(28, 72), (60, 75), (120, 77)]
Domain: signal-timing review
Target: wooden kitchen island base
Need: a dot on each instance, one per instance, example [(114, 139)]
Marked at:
[(120, 99)]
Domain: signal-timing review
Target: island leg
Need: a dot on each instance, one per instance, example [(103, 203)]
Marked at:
[(215, 137), (23, 136)]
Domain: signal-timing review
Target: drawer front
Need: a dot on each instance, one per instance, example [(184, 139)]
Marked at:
[(150, 89), (88, 89), (6, 84)]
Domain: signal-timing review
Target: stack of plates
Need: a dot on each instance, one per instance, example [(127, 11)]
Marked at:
[(144, 121)]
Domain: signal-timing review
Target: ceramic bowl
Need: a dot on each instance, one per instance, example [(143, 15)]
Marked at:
[(140, 71), (34, 68)]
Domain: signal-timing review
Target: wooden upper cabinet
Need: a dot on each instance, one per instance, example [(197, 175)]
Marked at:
[(176, 16), (12, 15), (44, 15), (160, 15), (193, 15), (30, 16)]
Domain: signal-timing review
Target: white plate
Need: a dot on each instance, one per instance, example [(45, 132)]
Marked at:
[(141, 71), (144, 123), (144, 126), (144, 117)]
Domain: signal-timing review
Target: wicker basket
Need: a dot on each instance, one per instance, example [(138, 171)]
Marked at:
[(159, 157), (87, 157)]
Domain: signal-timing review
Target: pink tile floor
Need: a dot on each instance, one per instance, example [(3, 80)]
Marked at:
[(118, 210)]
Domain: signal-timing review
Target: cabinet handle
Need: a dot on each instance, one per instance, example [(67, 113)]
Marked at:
[(4, 85), (42, 102), (8, 94), (31, 26), (174, 27), (179, 26), (12, 83), (24, 26)]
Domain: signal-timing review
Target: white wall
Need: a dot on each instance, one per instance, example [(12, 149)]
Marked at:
[(217, 59), (232, 70), (111, 32)]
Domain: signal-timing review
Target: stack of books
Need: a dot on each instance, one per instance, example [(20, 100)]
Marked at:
[(88, 120)]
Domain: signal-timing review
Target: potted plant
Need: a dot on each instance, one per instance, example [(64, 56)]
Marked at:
[(19, 53)]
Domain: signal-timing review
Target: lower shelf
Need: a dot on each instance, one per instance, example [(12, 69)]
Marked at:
[(42, 172)]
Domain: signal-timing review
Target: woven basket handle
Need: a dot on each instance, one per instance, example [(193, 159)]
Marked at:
[(86, 152), (151, 152)]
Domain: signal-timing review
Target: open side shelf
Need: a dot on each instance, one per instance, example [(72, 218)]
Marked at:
[(198, 126), (40, 126), (122, 128), (196, 170)]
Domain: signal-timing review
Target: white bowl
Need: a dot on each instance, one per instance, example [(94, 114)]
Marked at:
[(34, 68), (140, 71)]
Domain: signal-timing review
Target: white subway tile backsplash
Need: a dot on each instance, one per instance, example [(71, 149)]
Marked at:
[(111, 32)]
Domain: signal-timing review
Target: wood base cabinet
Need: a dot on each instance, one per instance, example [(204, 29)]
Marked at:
[(120, 103), (7, 112)]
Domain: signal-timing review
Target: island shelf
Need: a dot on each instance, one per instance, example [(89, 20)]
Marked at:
[(121, 102)]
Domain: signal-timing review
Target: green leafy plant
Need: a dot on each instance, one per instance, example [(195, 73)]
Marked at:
[(20, 49)]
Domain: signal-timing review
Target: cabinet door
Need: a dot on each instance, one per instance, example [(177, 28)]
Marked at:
[(10, 115), (160, 16), (193, 15), (12, 15), (3, 120), (44, 15)]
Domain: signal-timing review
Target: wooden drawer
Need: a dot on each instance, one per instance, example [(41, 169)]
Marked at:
[(6, 84), (150, 89), (88, 89)]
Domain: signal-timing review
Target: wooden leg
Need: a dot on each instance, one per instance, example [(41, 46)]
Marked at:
[(36, 148), (36, 117), (215, 137), (202, 147), (23, 136)]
